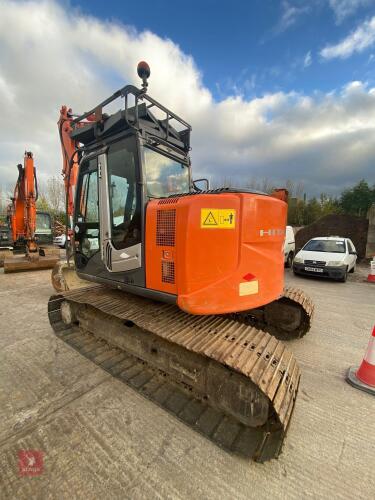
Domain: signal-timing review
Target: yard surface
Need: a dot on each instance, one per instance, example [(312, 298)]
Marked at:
[(101, 439)]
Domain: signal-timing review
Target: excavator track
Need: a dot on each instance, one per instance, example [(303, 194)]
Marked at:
[(287, 318), (232, 382)]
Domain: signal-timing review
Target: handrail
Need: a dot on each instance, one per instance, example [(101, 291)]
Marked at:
[(139, 94)]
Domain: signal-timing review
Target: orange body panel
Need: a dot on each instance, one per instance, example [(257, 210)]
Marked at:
[(216, 267)]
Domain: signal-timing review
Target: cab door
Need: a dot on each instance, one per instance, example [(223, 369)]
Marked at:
[(120, 197)]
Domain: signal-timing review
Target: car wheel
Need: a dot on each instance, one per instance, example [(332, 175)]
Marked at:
[(289, 260), (345, 277), (352, 269)]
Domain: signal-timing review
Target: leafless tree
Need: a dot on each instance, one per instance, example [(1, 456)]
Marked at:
[(252, 183), (299, 190), (290, 185), (267, 185), (221, 182), (54, 192), (5, 199)]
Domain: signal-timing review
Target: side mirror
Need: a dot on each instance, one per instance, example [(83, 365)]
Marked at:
[(204, 187)]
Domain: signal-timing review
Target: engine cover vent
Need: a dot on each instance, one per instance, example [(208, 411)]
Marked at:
[(168, 201), (166, 228), (167, 271)]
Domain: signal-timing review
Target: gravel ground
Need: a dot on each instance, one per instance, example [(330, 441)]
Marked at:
[(102, 439)]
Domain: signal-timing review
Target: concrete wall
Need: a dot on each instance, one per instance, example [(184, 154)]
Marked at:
[(370, 247)]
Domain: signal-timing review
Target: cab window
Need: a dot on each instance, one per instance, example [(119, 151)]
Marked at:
[(88, 210), (164, 176), (125, 211)]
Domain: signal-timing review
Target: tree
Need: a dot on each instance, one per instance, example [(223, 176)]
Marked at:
[(42, 204), (52, 199), (55, 194), (329, 205), (358, 199), (5, 200), (313, 211)]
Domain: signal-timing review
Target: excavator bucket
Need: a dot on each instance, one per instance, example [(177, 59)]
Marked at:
[(64, 278), (4, 253), (18, 263)]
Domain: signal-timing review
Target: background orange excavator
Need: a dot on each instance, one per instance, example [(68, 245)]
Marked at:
[(22, 216), (23, 208), (188, 279)]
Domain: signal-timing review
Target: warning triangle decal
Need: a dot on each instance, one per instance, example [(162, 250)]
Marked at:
[(210, 220)]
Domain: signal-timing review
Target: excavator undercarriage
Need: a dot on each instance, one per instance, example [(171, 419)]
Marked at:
[(232, 382)]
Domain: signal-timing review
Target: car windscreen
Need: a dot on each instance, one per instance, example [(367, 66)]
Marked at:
[(332, 246)]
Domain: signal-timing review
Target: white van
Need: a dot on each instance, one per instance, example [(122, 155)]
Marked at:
[(289, 246)]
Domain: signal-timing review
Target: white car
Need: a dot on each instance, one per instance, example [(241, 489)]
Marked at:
[(289, 246), (328, 257), (60, 240)]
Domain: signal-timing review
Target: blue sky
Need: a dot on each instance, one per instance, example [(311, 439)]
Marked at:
[(254, 46), (275, 91)]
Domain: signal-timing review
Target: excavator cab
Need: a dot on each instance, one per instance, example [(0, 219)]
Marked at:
[(121, 180)]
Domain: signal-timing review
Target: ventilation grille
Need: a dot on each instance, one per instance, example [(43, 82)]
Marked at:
[(165, 228), (320, 263), (176, 197), (167, 271), (168, 201)]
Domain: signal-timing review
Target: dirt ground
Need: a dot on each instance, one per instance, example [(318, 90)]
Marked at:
[(101, 439)]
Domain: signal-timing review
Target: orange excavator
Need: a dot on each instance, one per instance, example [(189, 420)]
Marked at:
[(22, 216), (182, 287)]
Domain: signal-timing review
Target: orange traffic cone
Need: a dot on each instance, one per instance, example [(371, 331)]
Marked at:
[(364, 377), (371, 276)]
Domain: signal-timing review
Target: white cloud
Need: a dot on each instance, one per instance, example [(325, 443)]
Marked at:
[(290, 14), (307, 59), (358, 40), (345, 8), (50, 57)]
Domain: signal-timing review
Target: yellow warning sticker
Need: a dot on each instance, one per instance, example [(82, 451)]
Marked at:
[(218, 218)]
